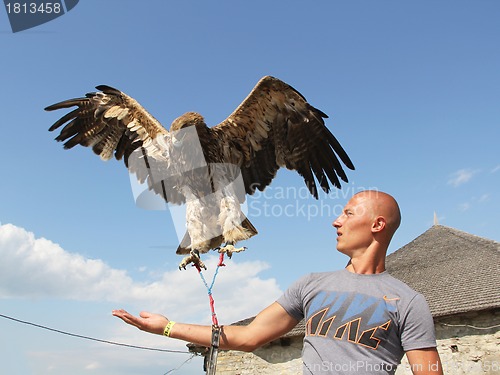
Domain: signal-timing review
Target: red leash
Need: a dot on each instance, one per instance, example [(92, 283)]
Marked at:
[(216, 329)]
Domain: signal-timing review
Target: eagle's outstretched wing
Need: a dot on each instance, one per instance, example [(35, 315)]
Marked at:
[(276, 127), (112, 122)]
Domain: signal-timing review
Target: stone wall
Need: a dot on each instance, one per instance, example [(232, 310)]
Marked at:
[(280, 357), (463, 350), (466, 348)]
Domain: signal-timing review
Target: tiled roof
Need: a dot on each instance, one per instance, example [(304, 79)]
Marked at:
[(455, 271)]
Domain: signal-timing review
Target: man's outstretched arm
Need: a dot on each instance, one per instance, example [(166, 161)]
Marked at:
[(425, 362), (270, 324)]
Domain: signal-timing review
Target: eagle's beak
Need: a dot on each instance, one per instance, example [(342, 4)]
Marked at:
[(177, 141)]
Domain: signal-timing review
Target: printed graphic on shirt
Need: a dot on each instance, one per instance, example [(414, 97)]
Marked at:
[(352, 317)]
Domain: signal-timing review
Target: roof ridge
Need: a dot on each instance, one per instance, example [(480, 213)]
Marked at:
[(450, 231), (462, 232)]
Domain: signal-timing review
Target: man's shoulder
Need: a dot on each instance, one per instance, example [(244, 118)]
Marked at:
[(343, 279), (325, 275), (400, 288), (398, 282), (314, 278)]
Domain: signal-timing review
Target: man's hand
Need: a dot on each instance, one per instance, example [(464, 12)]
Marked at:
[(148, 322)]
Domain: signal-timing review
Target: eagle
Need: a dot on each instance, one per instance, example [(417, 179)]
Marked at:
[(210, 169)]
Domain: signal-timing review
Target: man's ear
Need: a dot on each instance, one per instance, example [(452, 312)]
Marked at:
[(379, 224)]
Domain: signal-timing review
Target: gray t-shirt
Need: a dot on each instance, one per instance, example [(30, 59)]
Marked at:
[(358, 324)]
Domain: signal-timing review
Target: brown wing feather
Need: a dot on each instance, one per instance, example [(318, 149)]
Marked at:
[(276, 127), (112, 122), (108, 121)]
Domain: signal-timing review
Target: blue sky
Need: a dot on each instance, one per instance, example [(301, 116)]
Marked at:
[(412, 90)]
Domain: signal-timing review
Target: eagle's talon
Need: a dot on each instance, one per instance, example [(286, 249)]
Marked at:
[(229, 249), (194, 258)]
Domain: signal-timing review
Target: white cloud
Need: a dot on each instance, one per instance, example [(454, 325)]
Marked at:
[(474, 202), (496, 169), (484, 198), (461, 177), (464, 206), (33, 267), (37, 267)]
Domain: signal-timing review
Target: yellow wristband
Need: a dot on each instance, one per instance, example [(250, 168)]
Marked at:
[(168, 328)]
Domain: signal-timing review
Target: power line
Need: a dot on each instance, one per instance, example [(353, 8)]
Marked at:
[(94, 339), (182, 364)]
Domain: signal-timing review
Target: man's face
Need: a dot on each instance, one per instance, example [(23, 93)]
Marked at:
[(354, 225)]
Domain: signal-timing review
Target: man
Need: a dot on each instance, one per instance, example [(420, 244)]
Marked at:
[(359, 320)]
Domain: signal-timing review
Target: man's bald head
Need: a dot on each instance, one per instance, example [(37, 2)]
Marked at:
[(383, 205)]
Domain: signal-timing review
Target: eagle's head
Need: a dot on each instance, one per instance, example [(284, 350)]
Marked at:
[(184, 135), (188, 119)]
